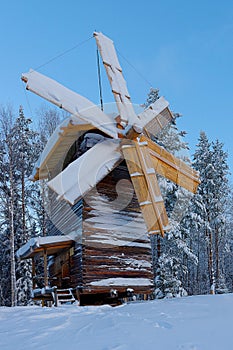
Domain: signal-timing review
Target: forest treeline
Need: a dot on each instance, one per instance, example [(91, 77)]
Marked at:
[(194, 257)]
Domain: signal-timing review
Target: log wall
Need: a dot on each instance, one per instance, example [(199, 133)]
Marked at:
[(112, 249), (116, 249)]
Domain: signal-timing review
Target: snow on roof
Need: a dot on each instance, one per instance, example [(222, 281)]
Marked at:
[(56, 146), (38, 242), (86, 171)]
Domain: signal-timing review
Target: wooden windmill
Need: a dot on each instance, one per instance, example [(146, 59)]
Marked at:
[(125, 138)]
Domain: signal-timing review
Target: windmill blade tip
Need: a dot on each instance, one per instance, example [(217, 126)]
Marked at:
[(24, 78)]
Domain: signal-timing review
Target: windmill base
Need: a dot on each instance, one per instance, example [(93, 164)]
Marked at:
[(112, 296)]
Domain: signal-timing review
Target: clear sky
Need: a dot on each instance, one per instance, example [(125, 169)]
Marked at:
[(184, 48)]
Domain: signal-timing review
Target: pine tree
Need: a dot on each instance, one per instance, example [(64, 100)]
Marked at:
[(203, 163), (192, 223), (152, 96), (228, 248), (211, 161), (219, 207)]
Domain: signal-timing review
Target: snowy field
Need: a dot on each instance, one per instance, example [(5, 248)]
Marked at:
[(192, 323)]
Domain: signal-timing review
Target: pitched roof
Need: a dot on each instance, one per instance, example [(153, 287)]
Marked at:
[(52, 244), (57, 147)]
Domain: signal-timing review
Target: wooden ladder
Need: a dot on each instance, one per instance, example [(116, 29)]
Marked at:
[(65, 296)]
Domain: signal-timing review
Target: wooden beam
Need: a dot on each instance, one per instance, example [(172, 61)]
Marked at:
[(146, 187), (33, 273), (116, 79), (172, 167), (76, 127), (156, 117), (153, 187), (68, 135), (46, 282)]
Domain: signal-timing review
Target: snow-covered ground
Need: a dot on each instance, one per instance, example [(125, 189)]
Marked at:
[(191, 323)]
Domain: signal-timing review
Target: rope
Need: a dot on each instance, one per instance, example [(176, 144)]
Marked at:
[(64, 53), (98, 66), (51, 60), (136, 70), (27, 99), (99, 79)]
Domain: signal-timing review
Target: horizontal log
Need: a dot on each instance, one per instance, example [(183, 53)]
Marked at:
[(99, 275), (89, 289), (126, 250)]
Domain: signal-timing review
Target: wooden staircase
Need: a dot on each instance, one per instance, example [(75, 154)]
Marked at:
[(65, 296)]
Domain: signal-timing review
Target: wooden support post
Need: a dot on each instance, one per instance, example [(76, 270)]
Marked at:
[(45, 268), (55, 296), (33, 273)]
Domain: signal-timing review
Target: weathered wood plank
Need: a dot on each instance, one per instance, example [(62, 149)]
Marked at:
[(114, 238), (101, 260), (146, 187), (172, 167)]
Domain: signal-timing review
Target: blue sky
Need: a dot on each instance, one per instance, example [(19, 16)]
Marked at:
[(183, 48)]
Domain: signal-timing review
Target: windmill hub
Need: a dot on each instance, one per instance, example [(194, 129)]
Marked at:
[(138, 128)]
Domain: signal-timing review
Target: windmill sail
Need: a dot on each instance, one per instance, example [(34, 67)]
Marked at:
[(70, 101), (146, 187), (144, 157), (84, 173), (156, 117), (116, 79), (174, 169)]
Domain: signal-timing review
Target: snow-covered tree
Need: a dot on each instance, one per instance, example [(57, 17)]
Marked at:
[(228, 256), (17, 140), (209, 206), (152, 96), (219, 207), (169, 252)]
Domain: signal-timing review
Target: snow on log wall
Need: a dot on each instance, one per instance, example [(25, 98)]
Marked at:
[(116, 248), (112, 247)]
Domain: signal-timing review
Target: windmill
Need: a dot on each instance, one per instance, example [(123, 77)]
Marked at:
[(104, 254), (127, 137)]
